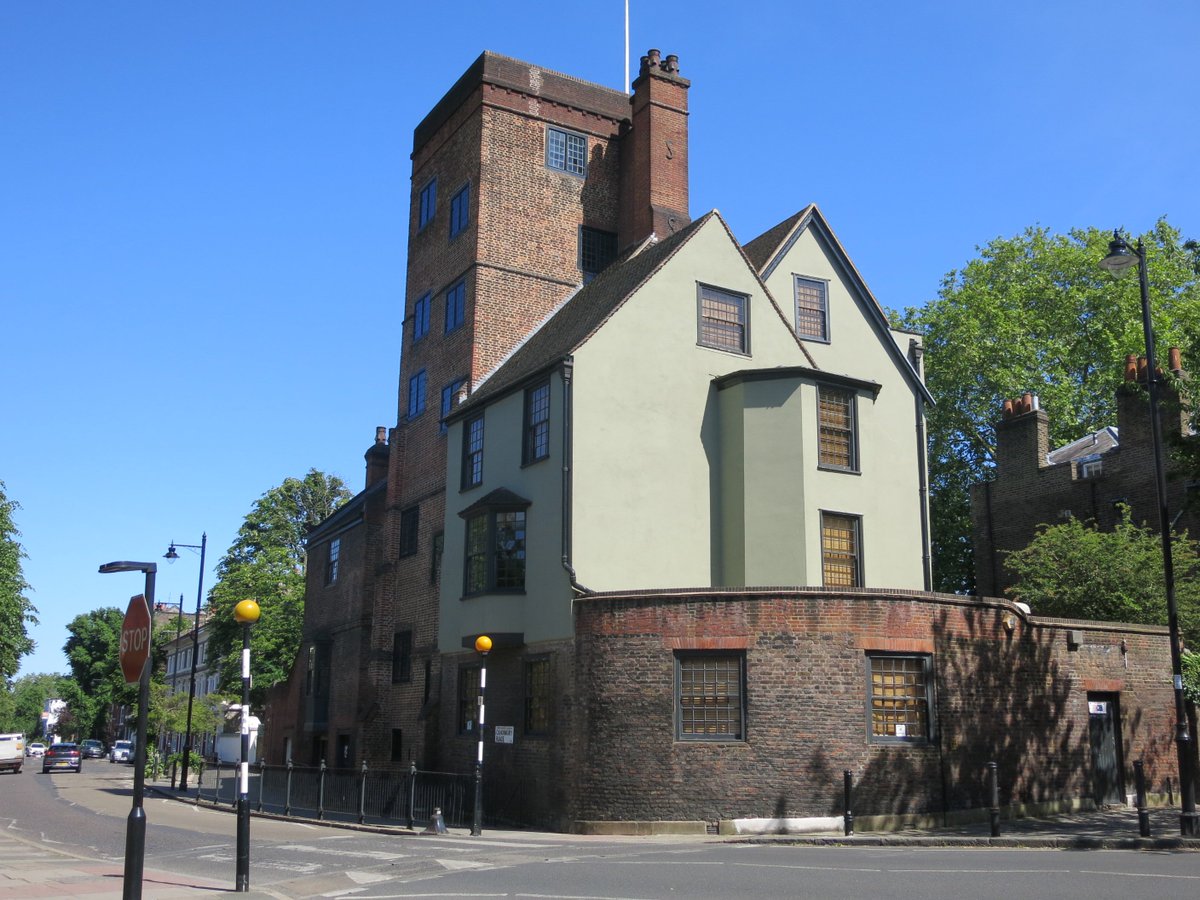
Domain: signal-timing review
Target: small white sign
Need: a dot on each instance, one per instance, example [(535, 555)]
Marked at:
[(1098, 707), (901, 730), (504, 734)]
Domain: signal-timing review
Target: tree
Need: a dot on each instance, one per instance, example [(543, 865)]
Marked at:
[(266, 563), (1035, 312), (22, 709), (93, 652), (16, 612), (1074, 570)]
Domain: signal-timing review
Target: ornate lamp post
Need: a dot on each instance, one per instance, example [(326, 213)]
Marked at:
[(1120, 260), (483, 646), (187, 739), (246, 613)]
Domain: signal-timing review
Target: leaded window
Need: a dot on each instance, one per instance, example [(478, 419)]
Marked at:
[(456, 305), (448, 394), (566, 151), (899, 696), (401, 657), (495, 551), (537, 423), (460, 211), (841, 554), (410, 520), (472, 466), (416, 394), (723, 320), (812, 309), (709, 692), (331, 564), (421, 316), (835, 412), (427, 204), (596, 250)]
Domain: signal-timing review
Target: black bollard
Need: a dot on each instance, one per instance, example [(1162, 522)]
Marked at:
[(1139, 775), (994, 809), (848, 816)]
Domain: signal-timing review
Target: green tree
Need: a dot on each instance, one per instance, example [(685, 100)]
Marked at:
[(93, 653), (16, 612), (1036, 313), (1074, 570), (266, 563), (26, 699)]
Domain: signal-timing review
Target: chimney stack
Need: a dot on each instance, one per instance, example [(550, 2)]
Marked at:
[(1023, 436), (654, 153), (377, 457)]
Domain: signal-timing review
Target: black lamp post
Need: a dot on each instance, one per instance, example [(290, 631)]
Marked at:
[(246, 613), (135, 825), (1119, 260), (187, 738), (483, 645)]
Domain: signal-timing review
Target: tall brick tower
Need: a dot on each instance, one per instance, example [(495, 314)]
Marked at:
[(522, 179)]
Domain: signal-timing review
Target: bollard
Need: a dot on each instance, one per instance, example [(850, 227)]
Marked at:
[(412, 790), (321, 792), (436, 824), (287, 797), (362, 795), (848, 816), (262, 780), (1139, 775), (994, 790)]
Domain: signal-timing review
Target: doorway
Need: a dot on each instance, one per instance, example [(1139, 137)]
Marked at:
[(1104, 731)]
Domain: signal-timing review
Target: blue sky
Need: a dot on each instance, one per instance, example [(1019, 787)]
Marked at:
[(204, 209)]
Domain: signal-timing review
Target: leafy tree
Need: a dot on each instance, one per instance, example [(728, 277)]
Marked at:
[(16, 612), (1035, 312), (1075, 570), (93, 652), (266, 563), (22, 710)]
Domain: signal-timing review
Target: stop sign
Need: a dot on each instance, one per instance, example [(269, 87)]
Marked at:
[(135, 639)]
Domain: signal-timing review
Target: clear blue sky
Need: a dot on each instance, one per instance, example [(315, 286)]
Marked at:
[(204, 207)]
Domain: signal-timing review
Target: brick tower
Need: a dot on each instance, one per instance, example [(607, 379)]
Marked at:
[(525, 183)]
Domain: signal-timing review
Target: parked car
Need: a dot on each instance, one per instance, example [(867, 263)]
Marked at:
[(37, 748), (92, 749), (122, 751), (63, 755)]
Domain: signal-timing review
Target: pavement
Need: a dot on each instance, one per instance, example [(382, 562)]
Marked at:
[(30, 870)]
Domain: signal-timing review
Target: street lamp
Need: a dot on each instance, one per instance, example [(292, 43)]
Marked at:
[(187, 739), (135, 825), (483, 645), (246, 613), (1120, 260)]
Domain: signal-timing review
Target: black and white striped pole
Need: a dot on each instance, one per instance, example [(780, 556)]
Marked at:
[(246, 613), (483, 645)]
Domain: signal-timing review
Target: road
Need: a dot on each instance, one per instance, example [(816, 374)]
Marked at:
[(87, 813)]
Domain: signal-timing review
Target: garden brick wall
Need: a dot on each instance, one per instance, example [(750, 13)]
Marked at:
[(1018, 698)]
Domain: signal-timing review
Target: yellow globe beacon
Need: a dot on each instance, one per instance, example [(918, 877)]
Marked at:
[(246, 612), (483, 643)]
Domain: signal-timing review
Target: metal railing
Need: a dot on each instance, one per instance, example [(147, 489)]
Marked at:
[(402, 797)]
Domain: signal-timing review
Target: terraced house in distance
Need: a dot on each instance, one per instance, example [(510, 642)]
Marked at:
[(679, 480)]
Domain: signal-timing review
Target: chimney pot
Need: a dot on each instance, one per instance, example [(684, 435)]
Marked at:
[(1027, 402), (1176, 360), (672, 64), (380, 434), (1008, 409), (1131, 367), (1141, 368)]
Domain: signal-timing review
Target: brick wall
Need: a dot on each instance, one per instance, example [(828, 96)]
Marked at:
[(1019, 698)]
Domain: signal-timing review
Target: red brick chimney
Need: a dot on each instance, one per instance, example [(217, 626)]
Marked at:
[(377, 457), (654, 153), (1023, 436)]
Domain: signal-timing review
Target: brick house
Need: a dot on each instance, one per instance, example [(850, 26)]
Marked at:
[(680, 481), (1088, 479)]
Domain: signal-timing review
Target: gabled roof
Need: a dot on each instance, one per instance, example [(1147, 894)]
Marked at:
[(1093, 444), (767, 250), (580, 317)]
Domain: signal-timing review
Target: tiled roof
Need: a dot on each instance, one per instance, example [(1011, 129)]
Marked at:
[(760, 250), (1089, 445)]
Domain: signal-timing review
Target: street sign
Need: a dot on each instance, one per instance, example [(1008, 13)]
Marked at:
[(135, 639)]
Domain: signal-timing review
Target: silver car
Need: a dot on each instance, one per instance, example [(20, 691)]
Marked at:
[(122, 751)]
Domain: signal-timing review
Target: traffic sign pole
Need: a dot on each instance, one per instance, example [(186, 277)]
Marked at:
[(135, 664)]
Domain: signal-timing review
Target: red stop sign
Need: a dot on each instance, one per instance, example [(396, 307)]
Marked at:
[(135, 639)]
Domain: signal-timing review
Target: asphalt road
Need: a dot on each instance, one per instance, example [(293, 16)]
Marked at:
[(87, 813)]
